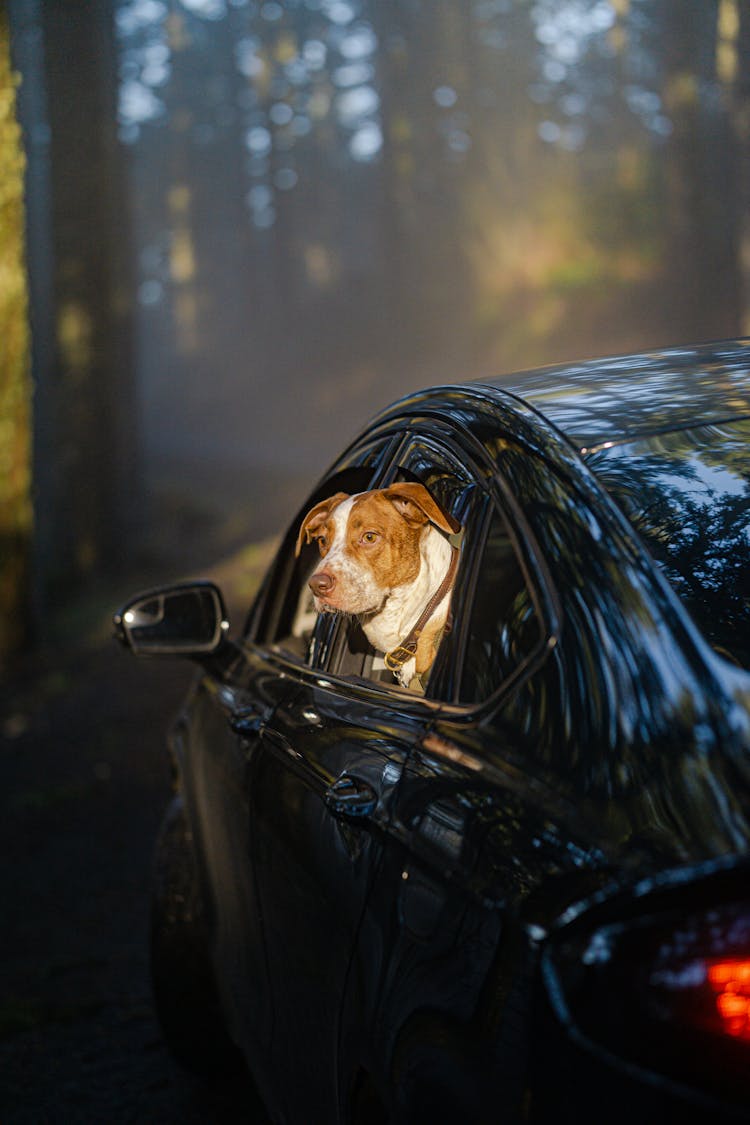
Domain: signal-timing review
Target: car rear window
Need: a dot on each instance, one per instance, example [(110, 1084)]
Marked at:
[(687, 494)]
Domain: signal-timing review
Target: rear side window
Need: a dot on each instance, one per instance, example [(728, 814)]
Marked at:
[(503, 628)]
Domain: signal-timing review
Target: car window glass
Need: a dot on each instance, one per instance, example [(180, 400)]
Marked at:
[(503, 627), (286, 616)]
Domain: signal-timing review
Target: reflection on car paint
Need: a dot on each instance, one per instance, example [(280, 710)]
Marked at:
[(501, 893)]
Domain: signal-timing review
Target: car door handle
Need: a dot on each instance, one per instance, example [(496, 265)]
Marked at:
[(351, 798), (247, 721)]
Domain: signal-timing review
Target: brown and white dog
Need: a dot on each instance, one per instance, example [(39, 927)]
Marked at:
[(388, 561)]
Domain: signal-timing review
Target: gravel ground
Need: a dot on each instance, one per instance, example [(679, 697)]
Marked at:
[(84, 783)]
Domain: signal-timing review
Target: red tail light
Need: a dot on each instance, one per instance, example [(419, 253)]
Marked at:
[(708, 994), (666, 988), (730, 981)]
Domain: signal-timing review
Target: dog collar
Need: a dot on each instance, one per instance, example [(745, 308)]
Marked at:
[(398, 656)]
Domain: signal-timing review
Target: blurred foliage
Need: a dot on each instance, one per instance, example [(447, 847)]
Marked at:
[(15, 384)]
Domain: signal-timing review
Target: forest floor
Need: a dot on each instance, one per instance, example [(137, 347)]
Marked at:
[(84, 784)]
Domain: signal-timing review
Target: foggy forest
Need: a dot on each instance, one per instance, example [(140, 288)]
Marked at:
[(236, 229), (231, 231)]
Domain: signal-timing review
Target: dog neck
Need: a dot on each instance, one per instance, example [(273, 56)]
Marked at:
[(387, 627)]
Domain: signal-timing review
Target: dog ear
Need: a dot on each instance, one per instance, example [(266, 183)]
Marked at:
[(315, 518), (417, 506)]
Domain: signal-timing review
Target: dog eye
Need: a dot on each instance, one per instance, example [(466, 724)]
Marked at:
[(370, 537)]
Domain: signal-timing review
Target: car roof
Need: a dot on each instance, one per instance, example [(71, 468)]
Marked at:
[(622, 398)]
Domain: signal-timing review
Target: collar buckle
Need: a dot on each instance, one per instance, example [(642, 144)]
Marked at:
[(397, 657)]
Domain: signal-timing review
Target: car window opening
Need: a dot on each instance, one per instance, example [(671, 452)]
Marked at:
[(386, 569), (489, 644)]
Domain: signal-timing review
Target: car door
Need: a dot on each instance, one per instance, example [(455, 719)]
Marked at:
[(323, 782), (414, 949), (221, 730), (317, 758), (427, 982), (229, 737), (321, 791)]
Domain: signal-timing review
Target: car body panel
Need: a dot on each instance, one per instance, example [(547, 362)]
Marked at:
[(388, 871), (215, 768), (440, 942), (315, 859), (623, 397)]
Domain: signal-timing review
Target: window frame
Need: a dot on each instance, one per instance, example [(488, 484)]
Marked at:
[(496, 496), (496, 492)]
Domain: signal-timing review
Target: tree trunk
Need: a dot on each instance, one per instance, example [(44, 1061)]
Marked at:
[(85, 463), (15, 388), (702, 176)]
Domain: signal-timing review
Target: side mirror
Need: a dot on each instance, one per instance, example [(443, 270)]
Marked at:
[(185, 620)]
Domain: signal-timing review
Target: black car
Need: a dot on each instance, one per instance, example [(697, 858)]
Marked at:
[(522, 895)]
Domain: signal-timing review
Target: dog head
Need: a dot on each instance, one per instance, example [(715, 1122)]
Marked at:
[(369, 544)]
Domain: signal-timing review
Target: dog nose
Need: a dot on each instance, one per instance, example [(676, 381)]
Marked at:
[(322, 583)]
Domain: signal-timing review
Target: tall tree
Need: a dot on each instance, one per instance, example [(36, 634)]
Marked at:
[(84, 482), (739, 80), (702, 174), (15, 397)]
